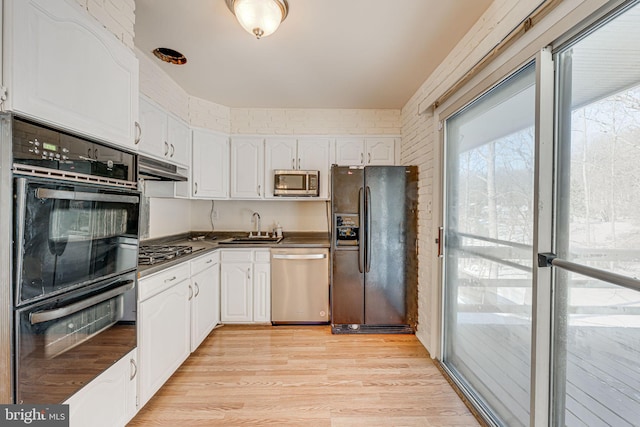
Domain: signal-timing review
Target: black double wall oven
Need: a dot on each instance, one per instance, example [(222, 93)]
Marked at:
[(75, 217)]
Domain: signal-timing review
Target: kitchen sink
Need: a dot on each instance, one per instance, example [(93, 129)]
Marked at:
[(251, 240)]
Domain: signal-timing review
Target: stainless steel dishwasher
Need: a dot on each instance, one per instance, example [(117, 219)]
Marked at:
[(299, 285)]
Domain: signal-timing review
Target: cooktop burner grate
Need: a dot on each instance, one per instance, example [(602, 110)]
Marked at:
[(152, 254)]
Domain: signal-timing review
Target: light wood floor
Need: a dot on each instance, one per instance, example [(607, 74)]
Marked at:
[(305, 376)]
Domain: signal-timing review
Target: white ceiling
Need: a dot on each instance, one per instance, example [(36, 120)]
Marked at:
[(326, 54)]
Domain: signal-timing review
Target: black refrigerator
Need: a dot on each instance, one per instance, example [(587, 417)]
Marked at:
[(374, 275)]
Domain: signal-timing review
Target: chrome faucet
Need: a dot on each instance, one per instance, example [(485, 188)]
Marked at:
[(256, 217)]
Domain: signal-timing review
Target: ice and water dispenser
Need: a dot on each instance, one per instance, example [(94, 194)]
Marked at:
[(347, 230)]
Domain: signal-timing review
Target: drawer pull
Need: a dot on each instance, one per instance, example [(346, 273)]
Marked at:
[(170, 279)]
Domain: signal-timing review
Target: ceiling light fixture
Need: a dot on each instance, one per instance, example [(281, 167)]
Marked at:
[(259, 17)]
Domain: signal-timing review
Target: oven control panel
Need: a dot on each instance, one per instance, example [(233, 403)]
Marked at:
[(44, 147)]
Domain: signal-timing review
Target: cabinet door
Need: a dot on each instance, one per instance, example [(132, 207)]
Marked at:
[(279, 153), (204, 304), (179, 138), (64, 68), (261, 292), (236, 292), (247, 165), (153, 126), (350, 151), (210, 169), (380, 151), (164, 337), (110, 399), (315, 154)]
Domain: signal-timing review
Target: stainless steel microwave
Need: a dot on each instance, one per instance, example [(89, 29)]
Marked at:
[(296, 183)]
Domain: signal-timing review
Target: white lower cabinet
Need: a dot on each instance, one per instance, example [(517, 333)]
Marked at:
[(164, 338), (245, 286), (205, 304), (261, 292), (110, 399)]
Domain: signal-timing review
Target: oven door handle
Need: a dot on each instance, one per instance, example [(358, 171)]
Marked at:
[(47, 193), (48, 315)]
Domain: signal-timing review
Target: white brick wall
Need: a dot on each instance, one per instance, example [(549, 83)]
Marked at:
[(421, 137), (116, 16), (271, 121), (208, 115)]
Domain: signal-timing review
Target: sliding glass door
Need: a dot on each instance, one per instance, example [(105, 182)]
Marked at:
[(488, 247), (580, 299), (596, 356)]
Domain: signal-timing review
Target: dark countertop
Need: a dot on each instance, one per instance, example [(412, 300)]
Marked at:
[(204, 242)]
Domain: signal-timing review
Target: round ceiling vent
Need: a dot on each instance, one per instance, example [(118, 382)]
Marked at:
[(169, 55)]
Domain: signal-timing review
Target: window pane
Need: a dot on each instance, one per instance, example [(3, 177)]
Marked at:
[(597, 325), (488, 247)]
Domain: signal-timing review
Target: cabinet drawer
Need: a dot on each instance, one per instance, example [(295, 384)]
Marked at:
[(236, 256), (199, 264), (262, 256), (154, 284)]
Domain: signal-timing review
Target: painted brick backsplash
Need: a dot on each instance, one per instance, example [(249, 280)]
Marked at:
[(117, 16)]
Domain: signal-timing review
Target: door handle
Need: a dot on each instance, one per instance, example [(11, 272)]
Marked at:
[(197, 289), (361, 241), (136, 141), (369, 158), (166, 148), (47, 193), (196, 188), (299, 256), (134, 369), (47, 315), (367, 208), (173, 150), (190, 292)]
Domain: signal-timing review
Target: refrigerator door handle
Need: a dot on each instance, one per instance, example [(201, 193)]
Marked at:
[(367, 208), (361, 240)]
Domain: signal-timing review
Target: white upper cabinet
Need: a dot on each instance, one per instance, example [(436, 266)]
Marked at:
[(153, 125), (179, 140), (315, 154), (305, 153), (366, 151), (162, 135), (210, 168), (380, 151), (63, 68), (247, 168)]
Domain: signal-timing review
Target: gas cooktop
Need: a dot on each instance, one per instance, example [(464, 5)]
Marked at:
[(153, 254)]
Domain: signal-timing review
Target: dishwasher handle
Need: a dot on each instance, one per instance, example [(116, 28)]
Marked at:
[(299, 256)]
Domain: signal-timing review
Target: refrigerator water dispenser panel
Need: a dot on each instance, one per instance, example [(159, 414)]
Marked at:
[(347, 229)]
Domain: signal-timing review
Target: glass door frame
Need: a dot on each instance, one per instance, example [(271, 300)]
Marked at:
[(541, 327)]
